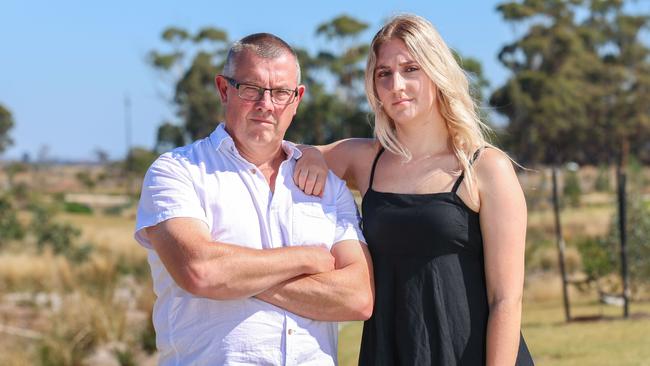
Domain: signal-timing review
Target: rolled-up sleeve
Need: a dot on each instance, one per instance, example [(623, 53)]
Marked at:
[(167, 192)]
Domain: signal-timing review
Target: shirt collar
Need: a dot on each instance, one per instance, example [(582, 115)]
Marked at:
[(221, 139)]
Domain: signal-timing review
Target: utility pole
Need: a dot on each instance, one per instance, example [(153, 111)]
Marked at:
[(127, 122)]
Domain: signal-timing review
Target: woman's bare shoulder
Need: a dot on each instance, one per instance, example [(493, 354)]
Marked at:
[(494, 168)]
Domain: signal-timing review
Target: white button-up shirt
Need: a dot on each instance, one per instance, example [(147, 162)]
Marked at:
[(209, 180)]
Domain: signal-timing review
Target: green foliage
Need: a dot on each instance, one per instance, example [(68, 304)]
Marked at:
[(572, 190), (597, 257), (199, 58), (78, 208), (602, 184), (138, 161), (59, 237), (6, 124), (10, 227), (84, 178), (579, 84), (333, 108), (341, 26), (148, 337), (125, 357), (169, 137), (638, 242)]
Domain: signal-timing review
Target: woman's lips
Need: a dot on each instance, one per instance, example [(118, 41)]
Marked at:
[(401, 101)]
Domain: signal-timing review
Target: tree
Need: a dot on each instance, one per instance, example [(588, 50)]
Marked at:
[(6, 124), (545, 99), (138, 160), (579, 87), (622, 113), (169, 136), (195, 98), (332, 111)]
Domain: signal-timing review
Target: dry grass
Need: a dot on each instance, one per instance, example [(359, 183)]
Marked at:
[(35, 272), (111, 233)]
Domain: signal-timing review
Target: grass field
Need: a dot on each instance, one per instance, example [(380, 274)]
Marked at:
[(94, 313), (554, 342)]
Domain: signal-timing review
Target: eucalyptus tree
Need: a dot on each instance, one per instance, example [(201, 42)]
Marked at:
[(191, 62), (547, 95)]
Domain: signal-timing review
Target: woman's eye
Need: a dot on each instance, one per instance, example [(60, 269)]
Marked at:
[(381, 74), (412, 68)]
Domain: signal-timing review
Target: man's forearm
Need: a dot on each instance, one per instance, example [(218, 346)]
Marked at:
[(225, 271), (243, 272), (343, 294)]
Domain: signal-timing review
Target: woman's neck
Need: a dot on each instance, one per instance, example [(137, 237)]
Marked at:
[(424, 138)]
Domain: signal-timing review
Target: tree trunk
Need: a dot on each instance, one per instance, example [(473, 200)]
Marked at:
[(560, 247)]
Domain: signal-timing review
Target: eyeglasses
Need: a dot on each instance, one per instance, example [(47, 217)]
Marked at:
[(255, 93)]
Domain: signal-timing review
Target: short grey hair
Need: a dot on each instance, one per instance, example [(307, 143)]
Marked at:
[(265, 45)]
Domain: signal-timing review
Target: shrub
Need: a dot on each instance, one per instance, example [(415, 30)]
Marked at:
[(602, 184), (638, 243), (597, 258), (10, 228), (75, 207), (59, 237), (572, 190)]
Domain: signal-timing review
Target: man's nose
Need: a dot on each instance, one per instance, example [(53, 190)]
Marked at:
[(265, 102)]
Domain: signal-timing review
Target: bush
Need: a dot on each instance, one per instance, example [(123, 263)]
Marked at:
[(602, 184), (59, 237), (10, 228), (638, 243), (572, 190), (597, 258), (75, 207)]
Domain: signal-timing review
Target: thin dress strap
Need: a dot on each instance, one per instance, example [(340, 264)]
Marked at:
[(374, 165), (462, 175)]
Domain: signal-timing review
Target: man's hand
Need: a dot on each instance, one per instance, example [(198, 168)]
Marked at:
[(346, 293), (311, 171), (320, 259)]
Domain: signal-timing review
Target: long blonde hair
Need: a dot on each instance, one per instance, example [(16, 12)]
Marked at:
[(457, 108)]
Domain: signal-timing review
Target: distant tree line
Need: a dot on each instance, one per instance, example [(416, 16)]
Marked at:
[(334, 106), (578, 91)]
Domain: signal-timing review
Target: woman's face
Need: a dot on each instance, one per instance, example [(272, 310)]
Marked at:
[(404, 90)]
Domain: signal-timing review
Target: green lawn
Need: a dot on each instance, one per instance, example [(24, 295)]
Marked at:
[(554, 342)]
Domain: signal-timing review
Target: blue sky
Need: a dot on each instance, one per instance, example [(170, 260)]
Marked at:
[(66, 66)]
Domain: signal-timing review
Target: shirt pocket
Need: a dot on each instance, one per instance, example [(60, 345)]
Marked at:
[(313, 223)]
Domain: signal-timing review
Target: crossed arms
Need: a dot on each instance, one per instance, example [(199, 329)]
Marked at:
[(307, 280)]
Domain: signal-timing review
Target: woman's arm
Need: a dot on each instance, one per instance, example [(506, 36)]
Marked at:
[(503, 225), (311, 169)]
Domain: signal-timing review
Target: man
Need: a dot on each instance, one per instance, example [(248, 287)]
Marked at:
[(247, 268)]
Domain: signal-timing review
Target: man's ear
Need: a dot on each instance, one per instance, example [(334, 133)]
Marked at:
[(222, 85), (301, 93)]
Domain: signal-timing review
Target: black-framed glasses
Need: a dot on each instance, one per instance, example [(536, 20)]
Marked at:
[(255, 93)]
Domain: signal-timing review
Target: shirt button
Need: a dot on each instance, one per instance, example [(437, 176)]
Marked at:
[(291, 331), (253, 171)]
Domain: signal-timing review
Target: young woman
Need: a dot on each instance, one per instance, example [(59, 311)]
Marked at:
[(443, 212)]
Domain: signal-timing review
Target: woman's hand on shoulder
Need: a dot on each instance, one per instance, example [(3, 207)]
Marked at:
[(311, 170)]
